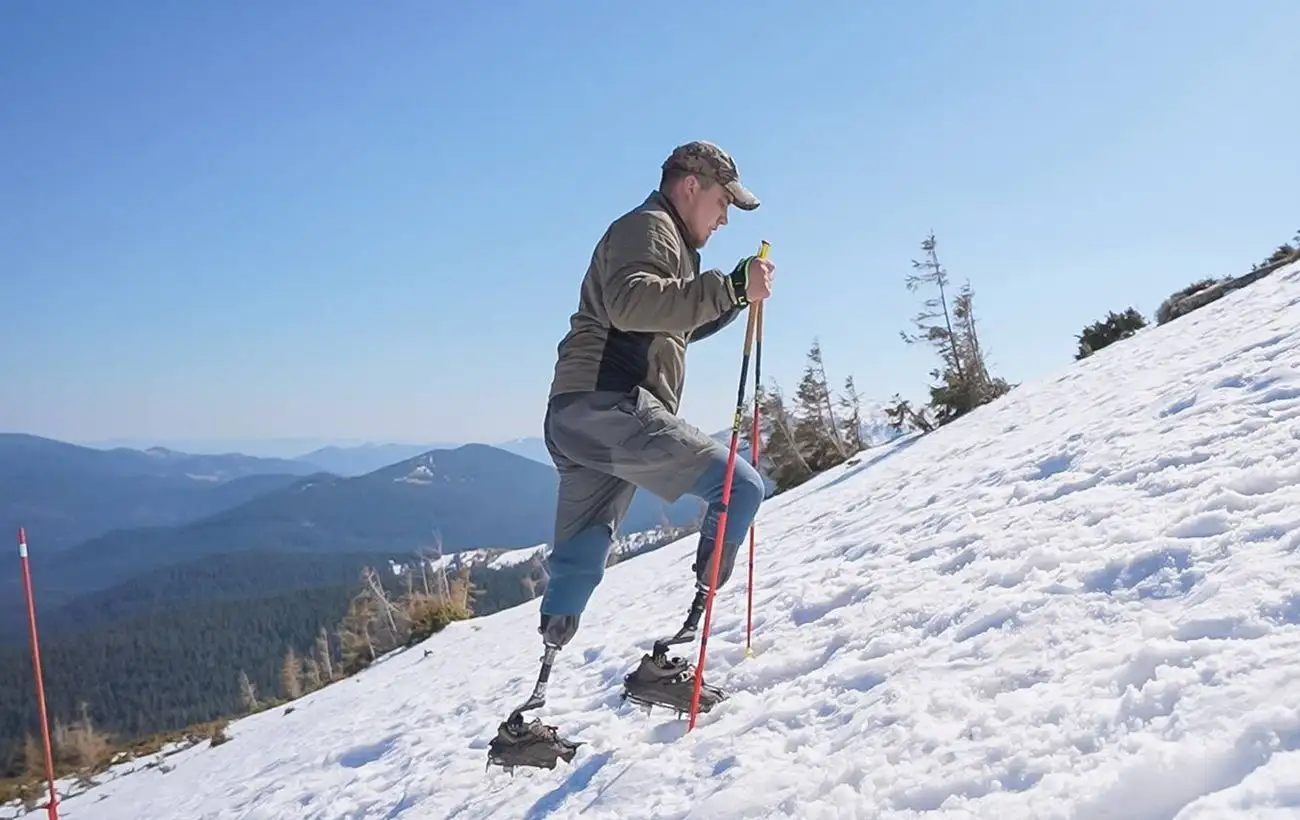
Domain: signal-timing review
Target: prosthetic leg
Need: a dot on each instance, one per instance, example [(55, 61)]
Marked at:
[(533, 744)]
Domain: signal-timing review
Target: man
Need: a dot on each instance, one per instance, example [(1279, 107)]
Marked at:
[(611, 423)]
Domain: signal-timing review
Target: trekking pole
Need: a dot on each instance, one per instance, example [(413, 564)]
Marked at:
[(764, 247), (53, 806), (754, 441)]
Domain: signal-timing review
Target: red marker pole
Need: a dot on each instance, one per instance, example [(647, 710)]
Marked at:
[(36, 664)]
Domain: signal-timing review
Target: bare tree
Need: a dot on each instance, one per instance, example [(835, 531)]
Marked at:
[(442, 586), (409, 578), (323, 658), (432, 557), (424, 557), (247, 692), (311, 677), (79, 743), (382, 602), (291, 675), (33, 763), (463, 589), (356, 642)]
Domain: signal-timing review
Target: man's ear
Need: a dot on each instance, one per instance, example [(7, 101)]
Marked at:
[(691, 185)]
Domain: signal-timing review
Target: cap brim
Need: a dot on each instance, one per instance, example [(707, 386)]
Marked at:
[(742, 197)]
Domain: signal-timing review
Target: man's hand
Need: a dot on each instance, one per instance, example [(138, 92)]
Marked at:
[(759, 275)]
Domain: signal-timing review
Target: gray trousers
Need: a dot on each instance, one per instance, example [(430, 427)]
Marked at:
[(606, 445)]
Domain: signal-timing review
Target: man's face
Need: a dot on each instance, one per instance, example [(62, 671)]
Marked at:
[(705, 211)]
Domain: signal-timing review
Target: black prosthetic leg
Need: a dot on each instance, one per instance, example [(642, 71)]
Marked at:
[(533, 744)]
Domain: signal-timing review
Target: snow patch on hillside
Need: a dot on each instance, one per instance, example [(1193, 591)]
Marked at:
[(420, 474)]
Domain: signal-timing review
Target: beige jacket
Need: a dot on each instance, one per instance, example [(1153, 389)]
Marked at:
[(642, 301)]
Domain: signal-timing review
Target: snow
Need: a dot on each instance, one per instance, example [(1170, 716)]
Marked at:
[(1082, 601), (875, 428), (510, 558), (498, 558), (492, 557), (420, 474)]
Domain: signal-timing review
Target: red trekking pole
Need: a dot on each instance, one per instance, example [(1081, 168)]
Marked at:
[(36, 664), (726, 498)]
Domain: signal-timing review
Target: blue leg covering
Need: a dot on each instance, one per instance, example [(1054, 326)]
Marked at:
[(576, 567), (747, 492)]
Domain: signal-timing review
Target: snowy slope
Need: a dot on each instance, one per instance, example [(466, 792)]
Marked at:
[(1080, 602)]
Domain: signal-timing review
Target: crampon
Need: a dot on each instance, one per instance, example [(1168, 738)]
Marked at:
[(533, 744), (668, 683)]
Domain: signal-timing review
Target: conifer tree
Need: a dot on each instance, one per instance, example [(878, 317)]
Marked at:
[(977, 372), (818, 366), (1113, 328), (747, 431), (964, 380), (903, 417), (789, 468), (816, 435), (941, 336), (851, 402)]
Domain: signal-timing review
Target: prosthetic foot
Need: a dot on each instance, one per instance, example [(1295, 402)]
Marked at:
[(533, 744)]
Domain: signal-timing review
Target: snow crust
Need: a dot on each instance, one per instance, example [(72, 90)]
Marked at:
[(1082, 601)]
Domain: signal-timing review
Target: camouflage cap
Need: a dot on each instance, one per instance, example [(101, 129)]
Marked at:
[(706, 159)]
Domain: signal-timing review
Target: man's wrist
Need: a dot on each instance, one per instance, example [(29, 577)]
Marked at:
[(739, 279)]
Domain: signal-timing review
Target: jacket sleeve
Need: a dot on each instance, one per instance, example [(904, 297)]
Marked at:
[(707, 329), (639, 286)]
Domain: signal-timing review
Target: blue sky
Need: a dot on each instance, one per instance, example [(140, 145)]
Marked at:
[(332, 220)]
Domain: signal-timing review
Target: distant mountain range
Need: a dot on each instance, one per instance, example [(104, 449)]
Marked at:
[(106, 526), (65, 494), (366, 458), (340, 458), (355, 459), (359, 459)]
